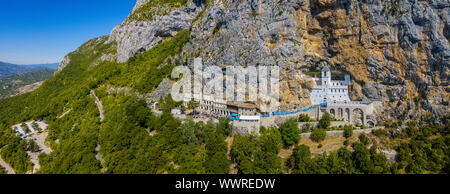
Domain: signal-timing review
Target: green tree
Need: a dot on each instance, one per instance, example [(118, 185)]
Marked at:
[(348, 131), (266, 158), (216, 161), (188, 131), (335, 164), (32, 146), (192, 105), (242, 152), (325, 120), (300, 161), (304, 118), (346, 156), (167, 103), (290, 132), (190, 159), (224, 126), (318, 135), (361, 158), (363, 139), (379, 161)]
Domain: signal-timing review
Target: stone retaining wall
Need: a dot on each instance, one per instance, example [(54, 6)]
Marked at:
[(340, 133), (316, 124)]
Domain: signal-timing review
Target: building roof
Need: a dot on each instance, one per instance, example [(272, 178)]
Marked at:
[(325, 68), (242, 104)]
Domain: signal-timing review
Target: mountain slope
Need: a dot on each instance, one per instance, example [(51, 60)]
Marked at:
[(362, 37), (392, 49)]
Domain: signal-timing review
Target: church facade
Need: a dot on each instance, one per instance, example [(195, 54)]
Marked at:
[(327, 90)]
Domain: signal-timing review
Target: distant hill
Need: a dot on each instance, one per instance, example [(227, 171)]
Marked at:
[(52, 66), (16, 84), (8, 69)]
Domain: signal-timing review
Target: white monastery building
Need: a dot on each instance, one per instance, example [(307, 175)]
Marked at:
[(327, 90)]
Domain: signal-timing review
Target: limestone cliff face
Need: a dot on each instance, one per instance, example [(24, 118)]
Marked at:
[(395, 50), (146, 27)]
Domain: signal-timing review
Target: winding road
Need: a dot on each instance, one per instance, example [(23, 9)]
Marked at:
[(5, 165), (99, 105)]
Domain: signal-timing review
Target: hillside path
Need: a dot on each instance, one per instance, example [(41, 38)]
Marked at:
[(99, 105)]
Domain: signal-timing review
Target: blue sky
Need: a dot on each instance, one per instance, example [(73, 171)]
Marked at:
[(44, 31)]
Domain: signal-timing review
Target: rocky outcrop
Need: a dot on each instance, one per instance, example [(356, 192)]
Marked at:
[(91, 47), (395, 51), (63, 63), (392, 51), (137, 35)]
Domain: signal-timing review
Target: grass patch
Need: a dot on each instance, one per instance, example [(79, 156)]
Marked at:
[(154, 8)]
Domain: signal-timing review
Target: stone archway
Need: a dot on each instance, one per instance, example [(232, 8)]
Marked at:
[(358, 116), (340, 113), (333, 112), (347, 116)]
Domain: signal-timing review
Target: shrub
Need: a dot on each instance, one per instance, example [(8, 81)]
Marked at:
[(325, 121), (290, 132), (346, 142), (304, 118), (318, 135), (348, 131), (224, 126), (363, 139), (379, 132)]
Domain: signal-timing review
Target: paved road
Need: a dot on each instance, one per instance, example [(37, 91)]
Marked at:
[(99, 157), (99, 105), (64, 114), (40, 141), (330, 146), (5, 165), (327, 147)]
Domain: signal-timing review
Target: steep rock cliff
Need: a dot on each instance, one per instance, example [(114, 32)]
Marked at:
[(396, 51)]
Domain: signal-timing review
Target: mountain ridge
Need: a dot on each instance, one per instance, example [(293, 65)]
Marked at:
[(131, 67), (407, 61), (9, 69)]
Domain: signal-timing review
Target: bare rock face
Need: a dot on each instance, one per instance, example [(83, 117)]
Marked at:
[(391, 54), (395, 51), (138, 34), (63, 63)]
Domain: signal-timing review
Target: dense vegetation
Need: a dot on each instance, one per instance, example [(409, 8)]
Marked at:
[(78, 132), (318, 135), (257, 155), (131, 139), (15, 154), (290, 132), (360, 160), (427, 151)]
